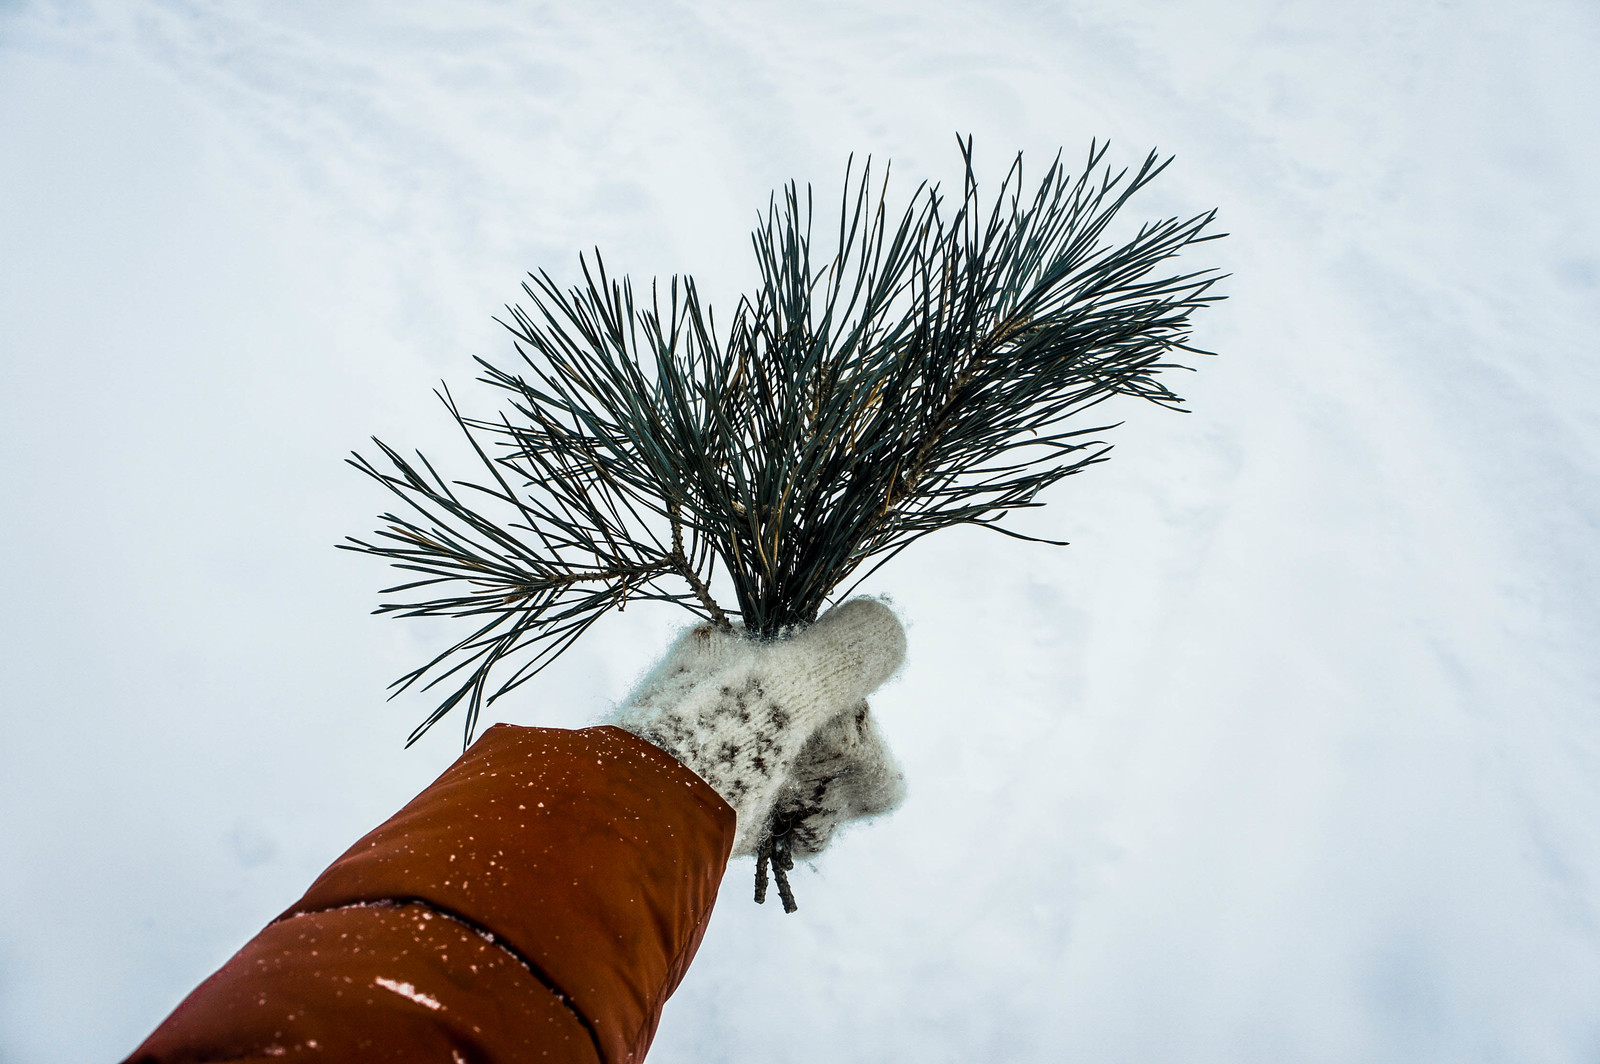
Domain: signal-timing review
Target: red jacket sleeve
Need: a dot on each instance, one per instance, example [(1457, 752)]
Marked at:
[(538, 902)]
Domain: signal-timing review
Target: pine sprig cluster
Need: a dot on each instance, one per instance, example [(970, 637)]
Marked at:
[(928, 371)]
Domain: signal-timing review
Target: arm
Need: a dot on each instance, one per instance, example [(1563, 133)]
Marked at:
[(539, 901), (543, 897)]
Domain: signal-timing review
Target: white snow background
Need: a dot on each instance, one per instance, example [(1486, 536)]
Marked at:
[(1292, 756)]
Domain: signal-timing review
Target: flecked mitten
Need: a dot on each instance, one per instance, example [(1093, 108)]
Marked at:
[(844, 773), (740, 712)]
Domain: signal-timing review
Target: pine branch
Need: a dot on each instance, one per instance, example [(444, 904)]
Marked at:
[(930, 372)]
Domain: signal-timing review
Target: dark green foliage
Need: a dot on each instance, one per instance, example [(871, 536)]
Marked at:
[(926, 372)]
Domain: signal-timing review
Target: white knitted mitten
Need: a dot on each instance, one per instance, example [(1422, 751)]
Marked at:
[(741, 712), (844, 773)]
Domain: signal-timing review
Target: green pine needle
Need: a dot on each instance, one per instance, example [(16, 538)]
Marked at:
[(929, 372)]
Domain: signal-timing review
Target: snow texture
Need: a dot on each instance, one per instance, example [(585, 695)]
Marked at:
[(1292, 756)]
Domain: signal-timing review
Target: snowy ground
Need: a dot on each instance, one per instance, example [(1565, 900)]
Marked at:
[(1294, 754)]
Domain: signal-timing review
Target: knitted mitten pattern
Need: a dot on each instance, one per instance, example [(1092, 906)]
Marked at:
[(739, 711), (844, 773)]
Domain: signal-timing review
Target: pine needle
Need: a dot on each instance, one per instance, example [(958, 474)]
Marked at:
[(931, 371)]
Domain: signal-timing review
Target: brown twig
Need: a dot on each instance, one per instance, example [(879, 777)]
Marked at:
[(680, 562)]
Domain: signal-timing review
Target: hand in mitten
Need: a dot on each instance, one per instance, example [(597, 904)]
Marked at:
[(844, 773), (744, 713)]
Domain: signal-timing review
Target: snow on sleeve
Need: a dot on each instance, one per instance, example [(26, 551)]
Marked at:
[(406, 990)]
